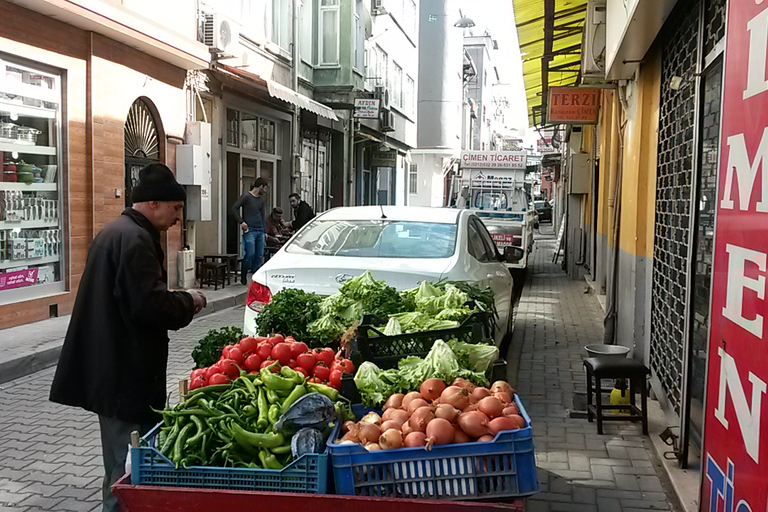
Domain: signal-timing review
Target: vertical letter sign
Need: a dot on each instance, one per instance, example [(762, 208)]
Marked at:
[(735, 461)]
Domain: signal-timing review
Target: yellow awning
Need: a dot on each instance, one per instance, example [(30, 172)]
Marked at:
[(563, 67)]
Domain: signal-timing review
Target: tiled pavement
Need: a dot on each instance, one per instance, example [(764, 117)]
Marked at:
[(577, 468)]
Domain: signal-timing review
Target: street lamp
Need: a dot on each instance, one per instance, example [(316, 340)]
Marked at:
[(464, 22)]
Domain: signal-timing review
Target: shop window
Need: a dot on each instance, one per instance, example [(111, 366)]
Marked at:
[(31, 230), (267, 136), (233, 127)]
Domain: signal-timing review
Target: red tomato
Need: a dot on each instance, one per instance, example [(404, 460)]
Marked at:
[(315, 380), (236, 354), (302, 371), (225, 351), (282, 353), (321, 371), (289, 339), (195, 373), (297, 348), (255, 372), (277, 338), (264, 350), (292, 364), (218, 378), (248, 344), (230, 369), (198, 382), (268, 362), (212, 370), (252, 362), (345, 365), (307, 361), (325, 355), (335, 379), (259, 339)]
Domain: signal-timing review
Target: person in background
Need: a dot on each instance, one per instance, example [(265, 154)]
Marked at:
[(302, 212), (115, 353), (253, 224), (275, 228)]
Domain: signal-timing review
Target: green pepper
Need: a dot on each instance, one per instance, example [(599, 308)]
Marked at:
[(201, 429), (290, 373), (179, 443), (254, 439), (169, 439), (250, 410), (272, 396), (208, 390), (274, 413), (269, 460), (281, 450), (275, 381), (248, 384), (297, 393), (328, 391), (263, 420)]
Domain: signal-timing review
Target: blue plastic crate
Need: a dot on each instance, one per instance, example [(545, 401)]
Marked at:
[(502, 468), (307, 474)]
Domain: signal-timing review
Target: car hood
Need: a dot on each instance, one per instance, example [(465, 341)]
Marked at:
[(324, 275)]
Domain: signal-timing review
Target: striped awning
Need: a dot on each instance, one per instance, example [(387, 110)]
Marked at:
[(549, 33)]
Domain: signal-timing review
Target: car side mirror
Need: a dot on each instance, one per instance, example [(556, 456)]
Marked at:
[(513, 254)]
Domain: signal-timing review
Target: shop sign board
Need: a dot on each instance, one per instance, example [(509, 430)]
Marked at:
[(384, 158), (493, 159), (735, 451), (18, 278), (544, 147), (573, 105), (503, 239), (367, 108)]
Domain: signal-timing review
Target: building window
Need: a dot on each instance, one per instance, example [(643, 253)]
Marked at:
[(282, 15), (410, 94), (413, 179), (252, 16), (382, 67), (329, 32), (396, 97), (307, 33), (359, 37), (267, 136)]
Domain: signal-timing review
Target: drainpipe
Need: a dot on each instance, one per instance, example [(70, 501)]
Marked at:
[(296, 130)]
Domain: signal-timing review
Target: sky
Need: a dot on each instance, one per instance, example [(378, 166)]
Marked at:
[(497, 17)]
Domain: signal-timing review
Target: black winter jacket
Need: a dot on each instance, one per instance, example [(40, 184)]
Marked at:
[(302, 214), (114, 357)]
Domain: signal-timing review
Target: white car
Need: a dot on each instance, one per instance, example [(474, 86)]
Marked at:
[(403, 245)]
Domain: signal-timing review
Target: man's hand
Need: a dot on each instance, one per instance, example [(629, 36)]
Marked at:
[(244, 226), (199, 300)]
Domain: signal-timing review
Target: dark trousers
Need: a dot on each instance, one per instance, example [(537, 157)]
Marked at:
[(115, 438)]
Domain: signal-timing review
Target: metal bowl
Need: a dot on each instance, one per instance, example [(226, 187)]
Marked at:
[(606, 350)]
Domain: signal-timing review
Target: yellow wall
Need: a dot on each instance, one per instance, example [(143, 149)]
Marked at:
[(638, 187)]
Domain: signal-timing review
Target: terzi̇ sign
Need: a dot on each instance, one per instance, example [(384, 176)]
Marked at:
[(735, 455), (493, 159), (573, 105)]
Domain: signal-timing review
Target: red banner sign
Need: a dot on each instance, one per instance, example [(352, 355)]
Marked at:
[(573, 105), (504, 239), (18, 278), (735, 460)]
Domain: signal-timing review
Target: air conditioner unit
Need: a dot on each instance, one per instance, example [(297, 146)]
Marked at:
[(382, 93), (186, 267), (387, 120), (221, 34), (593, 44)]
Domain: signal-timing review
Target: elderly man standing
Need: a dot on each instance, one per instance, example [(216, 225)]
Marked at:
[(113, 361)]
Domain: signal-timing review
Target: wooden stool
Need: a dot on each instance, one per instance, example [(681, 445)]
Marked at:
[(229, 259), (612, 367), (213, 274)]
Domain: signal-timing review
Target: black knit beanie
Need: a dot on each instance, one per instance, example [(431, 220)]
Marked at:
[(157, 183)]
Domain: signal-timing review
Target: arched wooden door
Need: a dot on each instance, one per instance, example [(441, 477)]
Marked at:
[(142, 146)]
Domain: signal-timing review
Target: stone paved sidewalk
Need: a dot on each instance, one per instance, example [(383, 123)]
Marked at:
[(577, 468)]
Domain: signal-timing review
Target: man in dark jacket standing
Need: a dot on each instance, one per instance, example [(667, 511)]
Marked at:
[(114, 357), (253, 223), (302, 212)]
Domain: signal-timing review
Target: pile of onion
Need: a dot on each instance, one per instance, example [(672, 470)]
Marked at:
[(438, 414)]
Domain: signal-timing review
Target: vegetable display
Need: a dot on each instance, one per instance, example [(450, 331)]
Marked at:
[(323, 321), (437, 414), (444, 361), (209, 348)]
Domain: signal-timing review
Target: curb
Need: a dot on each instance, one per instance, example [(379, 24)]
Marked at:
[(33, 362)]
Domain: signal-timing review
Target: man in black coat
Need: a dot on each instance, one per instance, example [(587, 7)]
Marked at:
[(114, 357), (302, 212)]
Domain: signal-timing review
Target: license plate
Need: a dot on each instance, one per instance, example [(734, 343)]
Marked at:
[(503, 239)]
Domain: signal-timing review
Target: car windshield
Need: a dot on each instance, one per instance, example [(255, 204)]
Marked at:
[(375, 239), (540, 204)]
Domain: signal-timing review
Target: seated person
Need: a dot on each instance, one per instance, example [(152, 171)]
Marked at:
[(276, 233)]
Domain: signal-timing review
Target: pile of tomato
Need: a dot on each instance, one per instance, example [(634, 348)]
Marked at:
[(320, 365)]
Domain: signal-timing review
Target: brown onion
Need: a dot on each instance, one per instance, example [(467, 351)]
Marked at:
[(406, 428), (470, 408), (399, 416), (501, 385), (391, 439), (369, 433), (510, 409), (347, 426), (394, 401), (455, 396), (372, 418), (490, 406), (447, 412), (351, 436), (407, 399), (459, 436), (478, 394), (415, 439), (420, 418), (496, 425), (503, 396), (416, 403), (474, 423), (463, 383), (485, 438), (431, 388), (390, 424), (439, 431), (372, 447)]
